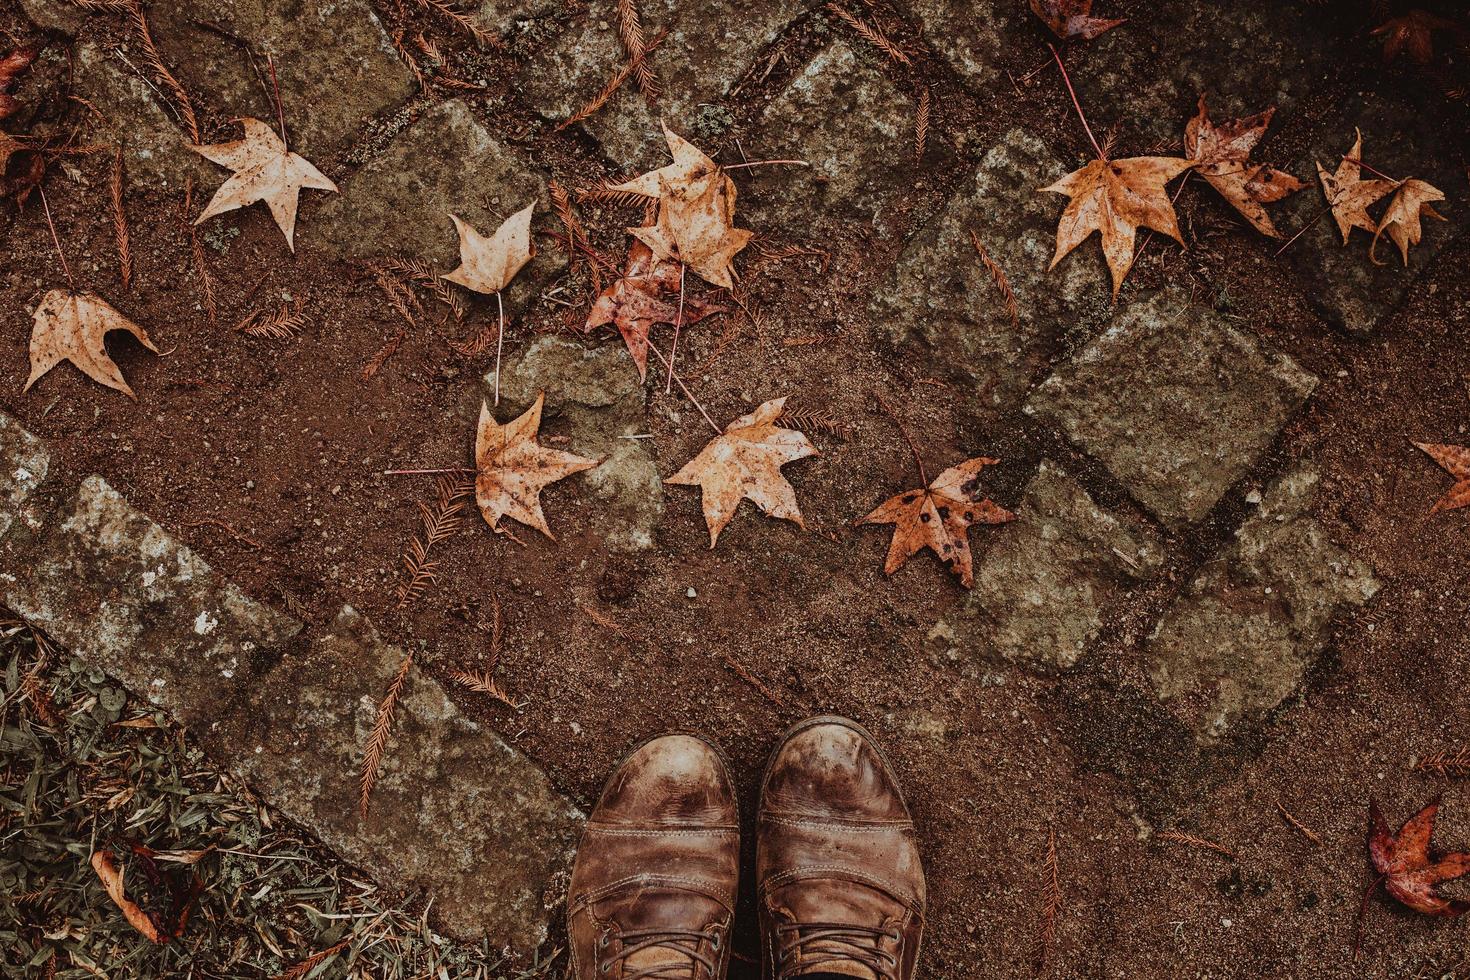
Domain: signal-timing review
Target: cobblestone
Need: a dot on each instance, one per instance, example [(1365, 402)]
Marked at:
[(1175, 402), (1048, 578), (1250, 626), (24, 462)]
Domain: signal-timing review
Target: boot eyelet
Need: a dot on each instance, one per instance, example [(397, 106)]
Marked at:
[(603, 941), (714, 942)]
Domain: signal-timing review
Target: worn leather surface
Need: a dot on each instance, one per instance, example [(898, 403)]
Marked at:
[(840, 885)]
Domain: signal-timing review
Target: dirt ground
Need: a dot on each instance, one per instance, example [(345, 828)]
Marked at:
[(267, 458)]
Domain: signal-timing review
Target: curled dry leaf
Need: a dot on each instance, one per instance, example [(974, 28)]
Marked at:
[(104, 862), (1349, 195), (1410, 870), (488, 264), (1401, 219), (745, 463), (513, 468), (1455, 460), (938, 517), (1221, 156), (645, 294), (70, 327), (1115, 198), (265, 170), (1072, 18)]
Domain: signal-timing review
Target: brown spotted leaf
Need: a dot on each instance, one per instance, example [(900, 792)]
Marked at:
[(104, 862), (513, 468), (646, 294), (1349, 195), (1410, 870), (1401, 220), (70, 327), (1072, 18), (744, 463), (1455, 460), (938, 517), (265, 170), (1115, 198), (1221, 154)]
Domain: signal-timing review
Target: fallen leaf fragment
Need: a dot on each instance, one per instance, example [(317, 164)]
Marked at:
[(745, 463), (1455, 460), (265, 170), (488, 264), (1221, 154), (938, 517), (1349, 195), (1115, 198), (1400, 220), (1410, 871), (690, 163), (11, 66), (105, 864), (1413, 32), (70, 327), (1072, 18), (642, 298), (696, 226), (513, 468)]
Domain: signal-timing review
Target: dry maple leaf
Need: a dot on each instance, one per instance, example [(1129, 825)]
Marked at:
[(71, 327), (938, 517), (513, 468), (1454, 460), (487, 265), (1072, 18), (696, 226), (1413, 32), (640, 298), (265, 170), (745, 462), (690, 163), (1115, 198), (1401, 220), (1220, 154), (1409, 872), (1349, 195)]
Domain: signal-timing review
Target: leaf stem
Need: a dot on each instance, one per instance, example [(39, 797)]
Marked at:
[(1371, 169), (685, 388), (56, 239), (276, 93), (451, 469), (762, 163), (499, 343), (1077, 105), (678, 325), (903, 431)]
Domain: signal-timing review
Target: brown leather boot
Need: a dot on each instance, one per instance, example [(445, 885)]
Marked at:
[(840, 887), (653, 887)]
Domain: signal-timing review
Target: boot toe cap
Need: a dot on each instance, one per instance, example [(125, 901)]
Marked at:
[(831, 768), (670, 780)]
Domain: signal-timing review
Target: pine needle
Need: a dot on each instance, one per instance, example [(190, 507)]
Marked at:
[(196, 249), (997, 274), (476, 345), (436, 523), (372, 756), (161, 72), (1052, 902), (630, 29), (1297, 824), (315, 959), (813, 420), (921, 127), (375, 364), (613, 84), (461, 20), (484, 683), (1200, 843), (873, 35), (1446, 764), (283, 324), (604, 194), (120, 220)]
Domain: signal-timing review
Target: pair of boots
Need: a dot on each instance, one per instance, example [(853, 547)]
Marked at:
[(840, 888)]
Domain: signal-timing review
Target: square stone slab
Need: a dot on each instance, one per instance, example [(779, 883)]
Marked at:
[(1403, 136), (851, 124), (119, 592), (1175, 402), (1251, 624), (334, 63), (941, 309), (1049, 576), (710, 46)]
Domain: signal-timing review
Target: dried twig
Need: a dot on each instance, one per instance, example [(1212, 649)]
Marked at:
[(1179, 837), (120, 220), (1051, 904), (437, 522), (1305, 830), (372, 756), (630, 29), (755, 682), (613, 84), (1003, 284), (873, 35), (921, 127)]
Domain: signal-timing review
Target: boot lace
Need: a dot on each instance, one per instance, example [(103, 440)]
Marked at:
[(685, 943), (824, 943)]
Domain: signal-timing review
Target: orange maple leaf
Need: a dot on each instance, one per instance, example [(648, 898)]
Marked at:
[(1221, 155), (744, 463), (1455, 460), (1401, 219), (1409, 872), (1072, 18), (70, 327), (1349, 195), (938, 517), (513, 468)]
